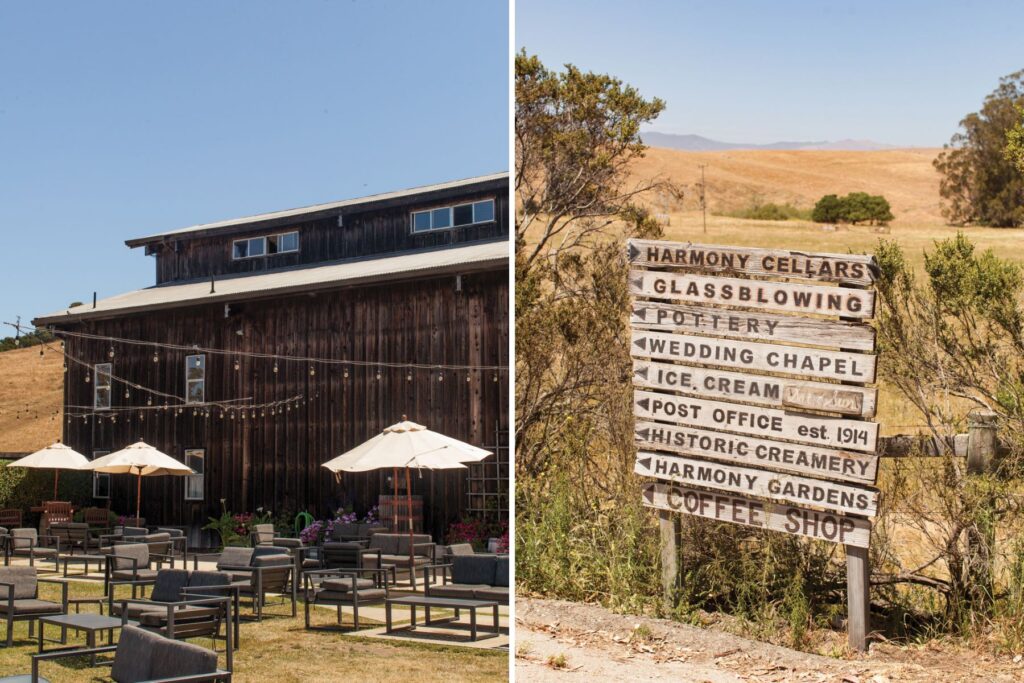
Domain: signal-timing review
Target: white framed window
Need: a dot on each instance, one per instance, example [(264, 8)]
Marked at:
[(195, 378), (285, 243), (101, 383), (249, 248), (196, 459), (458, 215), (253, 247), (100, 480)]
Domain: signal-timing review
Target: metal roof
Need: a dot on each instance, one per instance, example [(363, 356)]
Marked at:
[(247, 221), (462, 259)]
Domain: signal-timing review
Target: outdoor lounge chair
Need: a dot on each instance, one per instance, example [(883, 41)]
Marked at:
[(394, 549), (19, 598), (261, 534), (72, 535), (348, 555), (144, 657), (300, 553), (183, 604), (30, 543), (340, 587), (133, 562), (362, 531), (473, 577), (259, 571)]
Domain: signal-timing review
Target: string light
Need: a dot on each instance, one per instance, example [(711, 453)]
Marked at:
[(237, 364), (275, 367), (110, 353), (156, 358), (312, 371)]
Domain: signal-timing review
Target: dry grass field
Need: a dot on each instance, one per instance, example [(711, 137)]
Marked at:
[(31, 399), (736, 179)]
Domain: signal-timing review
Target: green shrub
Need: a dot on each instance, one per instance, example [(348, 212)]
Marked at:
[(856, 207), (771, 211)]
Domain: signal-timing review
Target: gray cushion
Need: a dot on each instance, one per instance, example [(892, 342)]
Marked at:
[(35, 552), (501, 571), (24, 538), (123, 555), (403, 560), (33, 606), (456, 590), (364, 595), (172, 658), (386, 543), (499, 593), (403, 542), (474, 569), (24, 580), (134, 652), (199, 580), (235, 557), (137, 575), (169, 583), (190, 613), (459, 549), (134, 531), (345, 584)]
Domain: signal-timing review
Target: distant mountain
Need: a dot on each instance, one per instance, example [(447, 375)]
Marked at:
[(699, 143)]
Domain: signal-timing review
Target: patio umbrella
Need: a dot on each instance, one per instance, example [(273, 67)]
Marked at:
[(142, 460), (55, 457), (410, 446)]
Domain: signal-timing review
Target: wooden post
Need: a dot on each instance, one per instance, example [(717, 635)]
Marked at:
[(857, 601), (981, 442), (668, 524), (981, 451)]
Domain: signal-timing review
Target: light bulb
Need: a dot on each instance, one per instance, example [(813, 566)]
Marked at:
[(346, 373), (440, 377), (312, 371), (87, 378), (408, 377), (237, 365), (275, 368), (156, 358), (110, 353)]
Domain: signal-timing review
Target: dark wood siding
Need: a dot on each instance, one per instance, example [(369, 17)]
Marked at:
[(377, 232), (274, 461)]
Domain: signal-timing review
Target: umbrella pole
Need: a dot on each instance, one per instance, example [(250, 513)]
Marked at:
[(394, 499), (408, 510), (56, 478), (138, 498)]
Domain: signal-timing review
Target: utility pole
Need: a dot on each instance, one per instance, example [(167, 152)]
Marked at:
[(703, 200)]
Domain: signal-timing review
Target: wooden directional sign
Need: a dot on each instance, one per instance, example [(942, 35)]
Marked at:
[(790, 488), (720, 322), (826, 526), (851, 367), (825, 463), (765, 295), (767, 390), (769, 422), (844, 268)]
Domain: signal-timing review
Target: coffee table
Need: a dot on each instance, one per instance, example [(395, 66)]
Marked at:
[(90, 623), (83, 560), (426, 602)]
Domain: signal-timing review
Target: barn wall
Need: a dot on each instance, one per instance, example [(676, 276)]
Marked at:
[(274, 461), (367, 233)]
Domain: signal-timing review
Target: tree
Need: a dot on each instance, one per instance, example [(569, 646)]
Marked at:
[(879, 211), (979, 182), (829, 209), (1015, 142)]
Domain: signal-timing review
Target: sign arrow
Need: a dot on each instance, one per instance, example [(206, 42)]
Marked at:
[(649, 493), (645, 463), (641, 342), (640, 313), (637, 283), (641, 372), (643, 433), (644, 403), (633, 252)]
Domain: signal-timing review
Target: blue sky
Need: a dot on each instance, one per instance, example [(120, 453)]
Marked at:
[(899, 72), (121, 119)]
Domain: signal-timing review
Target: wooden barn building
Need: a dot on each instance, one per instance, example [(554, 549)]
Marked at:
[(275, 342)]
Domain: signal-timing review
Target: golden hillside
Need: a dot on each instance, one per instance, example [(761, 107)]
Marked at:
[(738, 179), (31, 399)]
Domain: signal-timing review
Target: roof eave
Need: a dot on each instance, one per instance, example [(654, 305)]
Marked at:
[(70, 318), (328, 209)]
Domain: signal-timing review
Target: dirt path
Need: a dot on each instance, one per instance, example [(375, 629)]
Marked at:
[(565, 642)]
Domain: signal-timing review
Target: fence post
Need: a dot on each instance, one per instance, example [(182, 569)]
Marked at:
[(981, 442), (668, 526), (858, 604)]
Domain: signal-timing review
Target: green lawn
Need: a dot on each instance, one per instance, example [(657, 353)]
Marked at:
[(280, 649)]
